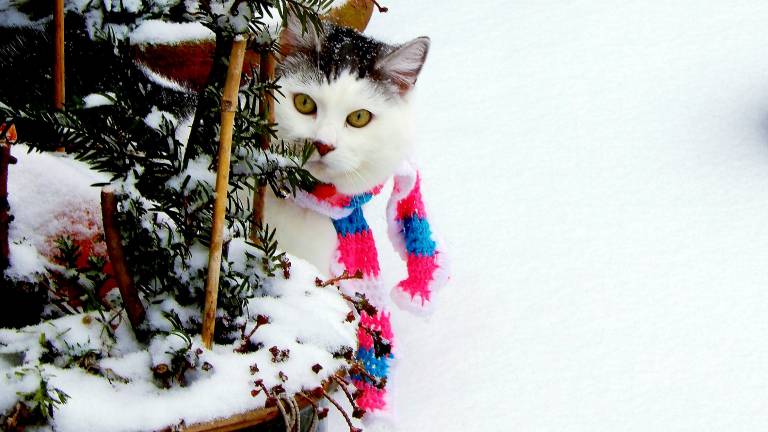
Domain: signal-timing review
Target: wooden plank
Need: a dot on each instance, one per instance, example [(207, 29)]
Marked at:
[(243, 420), (235, 422)]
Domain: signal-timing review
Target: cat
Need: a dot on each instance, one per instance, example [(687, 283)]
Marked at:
[(349, 95)]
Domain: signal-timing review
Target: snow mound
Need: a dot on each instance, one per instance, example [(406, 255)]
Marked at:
[(307, 326), (50, 196)]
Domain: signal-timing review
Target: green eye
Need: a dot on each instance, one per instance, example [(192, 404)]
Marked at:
[(304, 104), (359, 118)]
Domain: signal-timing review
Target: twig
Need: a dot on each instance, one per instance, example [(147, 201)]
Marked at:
[(315, 411), (131, 301), (260, 321), (333, 281), (357, 412), (228, 108), (359, 369), (381, 8), (352, 428), (343, 384)]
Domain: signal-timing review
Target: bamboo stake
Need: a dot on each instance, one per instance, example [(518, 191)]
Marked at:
[(58, 65), (133, 306), (228, 108), (266, 110)]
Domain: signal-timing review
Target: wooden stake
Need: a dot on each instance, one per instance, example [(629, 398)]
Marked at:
[(228, 108), (266, 110), (133, 306), (58, 65), (5, 217)]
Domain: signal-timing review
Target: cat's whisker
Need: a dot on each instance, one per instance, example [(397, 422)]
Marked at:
[(359, 176)]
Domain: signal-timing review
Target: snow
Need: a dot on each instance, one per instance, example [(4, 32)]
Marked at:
[(96, 99), (163, 32), (47, 192), (199, 173), (25, 262), (155, 118), (307, 321), (599, 171), (162, 81), (12, 17)]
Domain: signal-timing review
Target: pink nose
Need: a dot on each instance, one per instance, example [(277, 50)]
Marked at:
[(323, 148)]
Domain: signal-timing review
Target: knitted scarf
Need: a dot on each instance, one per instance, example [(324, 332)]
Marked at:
[(412, 237)]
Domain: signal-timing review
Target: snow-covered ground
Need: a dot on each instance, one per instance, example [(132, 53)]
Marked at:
[(599, 170)]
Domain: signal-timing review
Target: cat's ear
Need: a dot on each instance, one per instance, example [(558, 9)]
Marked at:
[(403, 64), (296, 36)]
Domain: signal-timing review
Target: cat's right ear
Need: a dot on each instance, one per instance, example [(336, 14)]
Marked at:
[(296, 36)]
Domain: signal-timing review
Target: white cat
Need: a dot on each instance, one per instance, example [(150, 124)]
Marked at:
[(348, 95)]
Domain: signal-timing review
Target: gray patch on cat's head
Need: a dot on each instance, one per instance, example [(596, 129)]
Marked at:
[(313, 57)]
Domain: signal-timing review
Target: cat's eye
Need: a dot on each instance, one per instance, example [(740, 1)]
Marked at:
[(304, 104), (359, 118)]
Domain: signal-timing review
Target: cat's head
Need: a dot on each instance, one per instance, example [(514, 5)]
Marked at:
[(348, 95)]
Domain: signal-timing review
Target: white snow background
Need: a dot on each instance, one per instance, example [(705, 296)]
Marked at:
[(599, 170)]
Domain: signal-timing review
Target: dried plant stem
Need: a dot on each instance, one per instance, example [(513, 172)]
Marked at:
[(267, 112), (360, 368), (315, 420), (343, 384), (228, 108), (382, 9), (246, 339), (338, 406), (310, 400), (333, 281), (133, 306)]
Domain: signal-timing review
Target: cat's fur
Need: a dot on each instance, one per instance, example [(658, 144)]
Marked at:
[(343, 71)]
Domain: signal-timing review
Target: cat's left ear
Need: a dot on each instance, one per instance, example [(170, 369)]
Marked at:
[(403, 64)]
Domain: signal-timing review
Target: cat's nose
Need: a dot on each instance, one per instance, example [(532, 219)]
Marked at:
[(323, 148)]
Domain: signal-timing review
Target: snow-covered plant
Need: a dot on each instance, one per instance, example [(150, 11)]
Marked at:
[(165, 181), (35, 407), (158, 145)]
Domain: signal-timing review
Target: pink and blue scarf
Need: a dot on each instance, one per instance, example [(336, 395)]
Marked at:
[(411, 234)]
